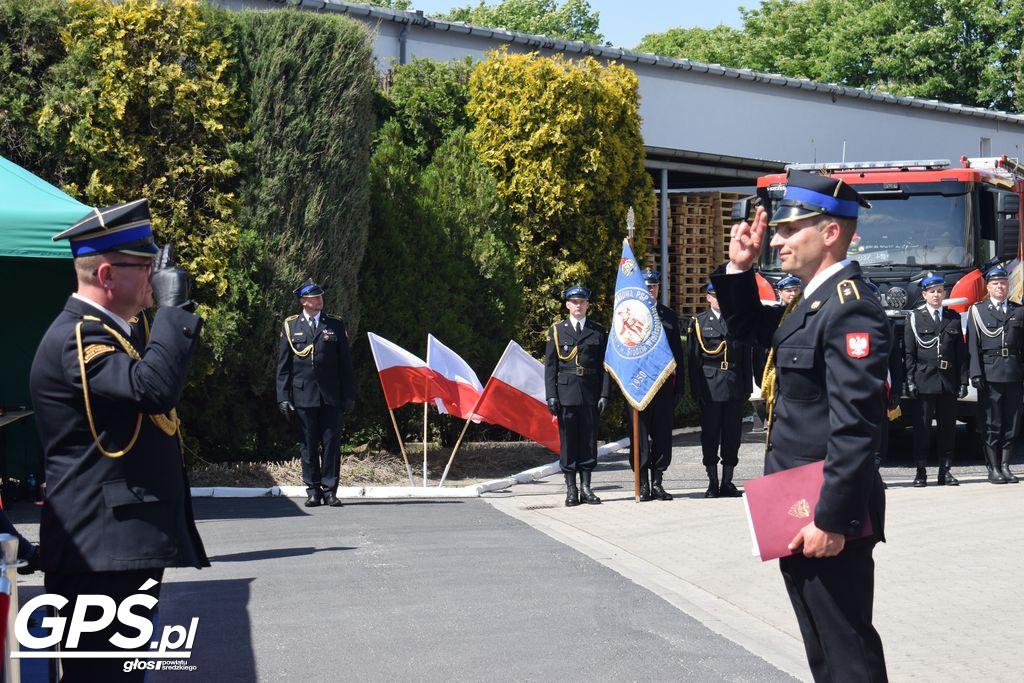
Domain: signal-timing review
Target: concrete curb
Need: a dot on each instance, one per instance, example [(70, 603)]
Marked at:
[(472, 491)]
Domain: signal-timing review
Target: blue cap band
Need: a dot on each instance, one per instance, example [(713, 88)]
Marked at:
[(844, 208), (307, 288), (932, 281), (110, 241)]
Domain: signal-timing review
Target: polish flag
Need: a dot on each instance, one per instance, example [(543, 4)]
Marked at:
[(514, 398), (404, 377), (462, 388)]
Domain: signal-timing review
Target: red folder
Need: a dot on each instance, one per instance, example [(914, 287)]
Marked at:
[(780, 504)]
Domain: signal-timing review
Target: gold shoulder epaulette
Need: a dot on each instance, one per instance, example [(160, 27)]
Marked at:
[(331, 315), (91, 318), (291, 317), (847, 289)]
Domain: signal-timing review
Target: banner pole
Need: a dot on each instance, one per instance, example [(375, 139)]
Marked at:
[(636, 454), (405, 456), (454, 451), (424, 445)]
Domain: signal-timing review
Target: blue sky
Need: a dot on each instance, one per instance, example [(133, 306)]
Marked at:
[(625, 22)]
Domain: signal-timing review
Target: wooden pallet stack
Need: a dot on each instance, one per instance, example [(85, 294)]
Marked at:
[(698, 240)]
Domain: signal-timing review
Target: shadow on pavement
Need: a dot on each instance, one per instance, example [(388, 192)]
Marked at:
[(276, 553)]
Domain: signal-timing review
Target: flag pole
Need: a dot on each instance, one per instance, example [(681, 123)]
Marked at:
[(636, 454), (454, 451), (405, 456), (425, 444)]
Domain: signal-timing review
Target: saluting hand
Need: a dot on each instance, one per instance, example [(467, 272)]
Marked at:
[(817, 542), (746, 240)]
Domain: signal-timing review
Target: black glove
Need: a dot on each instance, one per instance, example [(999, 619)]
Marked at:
[(894, 400), (286, 408), (978, 383), (963, 391), (602, 405), (170, 282), (347, 406), (912, 390), (554, 406)]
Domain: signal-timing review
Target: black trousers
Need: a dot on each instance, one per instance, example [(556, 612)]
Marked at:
[(118, 586), (943, 408), (321, 447), (577, 435), (655, 430), (720, 424), (1000, 405), (832, 598)]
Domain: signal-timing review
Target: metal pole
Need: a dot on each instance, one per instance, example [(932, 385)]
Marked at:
[(636, 454), (663, 232), (8, 565)]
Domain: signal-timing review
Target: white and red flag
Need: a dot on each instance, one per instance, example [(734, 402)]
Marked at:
[(514, 398), (462, 388), (404, 377)]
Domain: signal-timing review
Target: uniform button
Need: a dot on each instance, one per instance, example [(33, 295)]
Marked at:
[(855, 523), (187, 331), (794, 358)]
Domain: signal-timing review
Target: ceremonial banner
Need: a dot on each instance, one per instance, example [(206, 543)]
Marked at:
[(638, 355), (462, 388), (514, 398), (404, 377)]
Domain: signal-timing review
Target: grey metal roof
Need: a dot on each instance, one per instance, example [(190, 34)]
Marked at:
[(417, 18)]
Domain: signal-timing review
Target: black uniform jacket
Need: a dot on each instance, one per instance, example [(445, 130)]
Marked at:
[(107, 513), (831, 357), (324, 373), (670, 321), (581, 379), (722, 376), (942, 368), (996, 358)]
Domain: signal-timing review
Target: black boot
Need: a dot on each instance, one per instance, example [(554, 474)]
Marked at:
[(1010, 477), (728, 489), (921, 478), (946, 477), (712, 491), (995, 475), (572, 494), (586, 495), (645, 487), (657, 490)]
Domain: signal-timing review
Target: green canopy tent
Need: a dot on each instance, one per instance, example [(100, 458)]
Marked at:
[(37, 278)]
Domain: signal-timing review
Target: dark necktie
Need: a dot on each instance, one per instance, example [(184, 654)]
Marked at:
[(312, 324), (937, 317), (579, 328)]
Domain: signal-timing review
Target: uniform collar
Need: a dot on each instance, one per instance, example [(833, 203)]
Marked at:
[(121, 322), (573, 321), (931, 311), (818, 279)]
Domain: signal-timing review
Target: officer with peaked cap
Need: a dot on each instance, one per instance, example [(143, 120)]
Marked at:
[(935, 359), (995, 347), (117, 508), (721, 377), (577, 388), (825, 380), (315, 381), (655, 428), (789, 287)]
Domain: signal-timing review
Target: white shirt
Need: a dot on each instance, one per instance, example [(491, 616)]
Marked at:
[(718, 313), (931, 311), (314, 321), (121, 322), (582, 322), (999, 304)]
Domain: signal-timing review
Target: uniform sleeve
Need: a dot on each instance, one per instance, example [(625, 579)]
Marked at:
[(551, 366), (693, 359), (747, 319), (973, 345), (676, 344), (346, 375), (150, 385), (909, 351), (854, 379), (961, 357), (606, 377), (284, 367)]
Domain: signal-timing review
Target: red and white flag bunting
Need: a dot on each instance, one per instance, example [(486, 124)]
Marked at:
[(462, 388), (514, 398), (404, 377)]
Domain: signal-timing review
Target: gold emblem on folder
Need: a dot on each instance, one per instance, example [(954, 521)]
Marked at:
[(800, 509)]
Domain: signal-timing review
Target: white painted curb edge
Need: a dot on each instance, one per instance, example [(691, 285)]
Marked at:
[(432, 491)]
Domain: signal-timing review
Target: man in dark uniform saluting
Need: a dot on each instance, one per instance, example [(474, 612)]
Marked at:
[(117, 508), (315, 380), (577, 387), (655, 428), (995, 346), (936, 369), (829, 359), (721, 377)]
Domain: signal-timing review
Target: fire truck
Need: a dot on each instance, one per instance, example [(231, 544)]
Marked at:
[(926, 216)]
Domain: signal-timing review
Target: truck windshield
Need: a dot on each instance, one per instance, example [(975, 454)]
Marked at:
[(909, 230)]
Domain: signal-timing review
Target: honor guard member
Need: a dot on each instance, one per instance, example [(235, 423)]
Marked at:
[(995, 344), (789, 288), (825, 380), (315, 381), (935, 359), (577, 387), (721, 378), (655, 427), (117, 508)]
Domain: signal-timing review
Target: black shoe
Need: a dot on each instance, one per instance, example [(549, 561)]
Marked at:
[(645, 492), (659, 493), (586, 495), (712, 491), (728, 490), (331, 499), (1009, 476), (31, 563), (921, 478), (572, 496), (314, 500), (946, 478), (995, 476)]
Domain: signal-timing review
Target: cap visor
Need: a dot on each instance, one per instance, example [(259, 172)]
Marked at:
[(788, 214)]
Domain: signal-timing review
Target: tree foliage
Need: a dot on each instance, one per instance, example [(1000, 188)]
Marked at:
[(428, 101), (572, 20), (962, 51), (562, 140)]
